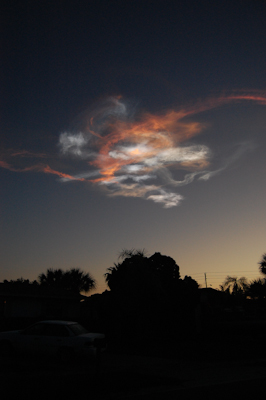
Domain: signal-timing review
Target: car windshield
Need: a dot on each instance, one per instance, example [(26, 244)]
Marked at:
[(77, 329)]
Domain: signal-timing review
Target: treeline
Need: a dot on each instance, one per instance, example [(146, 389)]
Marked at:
[(73, 281), (147, 301), (137, 273), (241, 288)]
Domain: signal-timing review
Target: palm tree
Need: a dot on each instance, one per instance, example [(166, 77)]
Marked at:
[(79, 281), (126, 253), (234, 285), (113, 276), (74, 280), (52, 278), (257, 289), (262, 264)]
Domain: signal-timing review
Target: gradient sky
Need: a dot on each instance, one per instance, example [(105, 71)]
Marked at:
[(133, 124)]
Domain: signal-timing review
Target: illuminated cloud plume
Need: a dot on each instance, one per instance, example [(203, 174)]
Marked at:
[(134, 155), (138, 155), (131, 156)]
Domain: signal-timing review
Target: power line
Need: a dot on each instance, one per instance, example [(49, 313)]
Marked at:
[(223, 272)]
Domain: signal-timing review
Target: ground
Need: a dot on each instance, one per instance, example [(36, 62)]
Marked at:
[(132, 377), (227, 363)]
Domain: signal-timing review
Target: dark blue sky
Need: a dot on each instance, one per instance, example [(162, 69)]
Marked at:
[(60, 61)]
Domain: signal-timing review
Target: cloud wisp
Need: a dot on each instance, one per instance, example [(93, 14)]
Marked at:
[(135, 155), (127, 153)]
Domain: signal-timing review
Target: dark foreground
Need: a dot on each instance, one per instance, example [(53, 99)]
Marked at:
[(227, 364), (133, 377)]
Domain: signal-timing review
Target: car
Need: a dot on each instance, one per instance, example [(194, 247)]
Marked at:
[(64, 339)]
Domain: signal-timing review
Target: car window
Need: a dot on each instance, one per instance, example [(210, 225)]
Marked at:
[(77, 329), (55, 330), (36, 329)]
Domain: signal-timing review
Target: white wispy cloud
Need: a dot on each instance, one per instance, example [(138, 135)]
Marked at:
[(126, 151), (134, 154)]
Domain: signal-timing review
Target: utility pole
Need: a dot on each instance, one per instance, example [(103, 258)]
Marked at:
[(205, 275)]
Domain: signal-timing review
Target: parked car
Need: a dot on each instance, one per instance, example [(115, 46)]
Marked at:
[(60, 338)]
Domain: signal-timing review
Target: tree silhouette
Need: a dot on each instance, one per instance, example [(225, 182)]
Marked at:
[(52, 278), (234, 285), (148, 300), (79, 281), (114, 277), (262, 264), (257, 289), (73, 280), (165, 267), (133, 275), (190, 283), (21, 282), (138, 272), (126, 253)]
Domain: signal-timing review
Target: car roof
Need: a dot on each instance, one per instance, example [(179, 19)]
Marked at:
[(57, 322)]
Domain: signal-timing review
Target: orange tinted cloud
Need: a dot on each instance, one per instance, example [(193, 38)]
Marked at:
[(143, 141), (18, 159), (135, 154), (47, 170), (129, 153)]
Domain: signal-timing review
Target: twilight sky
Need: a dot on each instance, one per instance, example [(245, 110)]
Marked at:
[(132, 124)]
